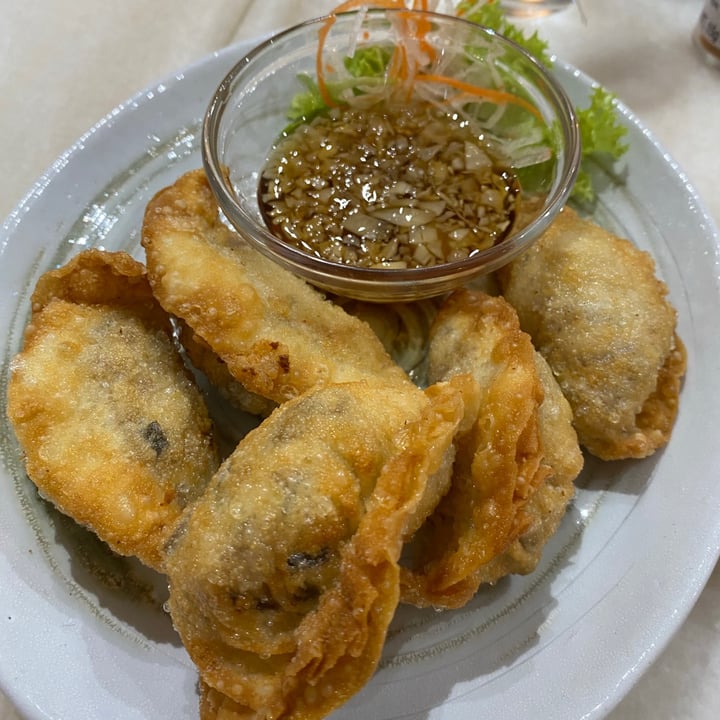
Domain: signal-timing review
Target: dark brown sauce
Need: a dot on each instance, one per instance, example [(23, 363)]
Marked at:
[(390, 185)]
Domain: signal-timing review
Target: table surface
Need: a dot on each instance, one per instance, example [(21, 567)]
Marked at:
[(63, 66)]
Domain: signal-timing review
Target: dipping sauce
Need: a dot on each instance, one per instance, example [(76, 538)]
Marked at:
[(397, 184)]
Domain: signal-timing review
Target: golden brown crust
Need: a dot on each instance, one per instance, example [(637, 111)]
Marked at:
[(113, 429), (656, 418), (602, 320), (99, 277), (548, 504), (215, 369), (277, 335), (499, 460)]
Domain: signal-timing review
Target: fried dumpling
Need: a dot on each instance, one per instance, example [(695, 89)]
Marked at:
[(603, 321), (276, 334), (499, 460), (284, 576), (113, 428)]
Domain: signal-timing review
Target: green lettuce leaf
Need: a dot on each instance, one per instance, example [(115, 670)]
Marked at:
[(599, 127), (304, 106), (369, 62), (602, 138)]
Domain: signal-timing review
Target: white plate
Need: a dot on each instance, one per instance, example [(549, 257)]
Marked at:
[(83, 634)]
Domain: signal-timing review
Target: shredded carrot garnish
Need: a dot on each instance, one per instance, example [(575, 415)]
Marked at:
[(400, 69), (499, 97), (319, 66), (423, 27)]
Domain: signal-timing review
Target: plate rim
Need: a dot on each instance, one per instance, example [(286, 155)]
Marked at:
[(216, 59)]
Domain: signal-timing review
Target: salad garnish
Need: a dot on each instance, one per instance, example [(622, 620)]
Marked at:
[(405, 64), (600, 129)]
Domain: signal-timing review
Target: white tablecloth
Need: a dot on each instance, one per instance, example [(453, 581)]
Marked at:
[(63, 65)]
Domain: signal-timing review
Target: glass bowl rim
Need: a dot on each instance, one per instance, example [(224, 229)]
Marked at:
[(482, 262)]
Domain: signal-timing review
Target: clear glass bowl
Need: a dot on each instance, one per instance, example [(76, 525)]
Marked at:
[(249, 111)]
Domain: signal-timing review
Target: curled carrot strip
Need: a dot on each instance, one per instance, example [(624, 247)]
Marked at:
[(499, 97), (319, 66)]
